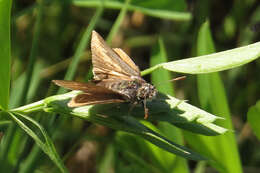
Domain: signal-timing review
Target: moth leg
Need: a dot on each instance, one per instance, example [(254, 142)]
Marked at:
[(132, 106), (146, 111)]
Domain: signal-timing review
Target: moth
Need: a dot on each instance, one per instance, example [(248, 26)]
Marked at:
[(116, 79)]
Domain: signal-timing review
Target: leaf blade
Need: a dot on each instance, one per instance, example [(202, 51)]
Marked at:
[(47, 146), (5, 49), (217, 61)]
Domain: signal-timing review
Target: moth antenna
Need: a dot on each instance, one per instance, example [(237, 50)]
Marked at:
[(177, 78), (172, 80)]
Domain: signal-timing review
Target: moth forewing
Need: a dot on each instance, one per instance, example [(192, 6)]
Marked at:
[(107, 63), (72, 85), (128, 60)]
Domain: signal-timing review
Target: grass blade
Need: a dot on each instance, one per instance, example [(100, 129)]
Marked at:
[(47, 146), (82, 45), (5, 49), (34, 51)]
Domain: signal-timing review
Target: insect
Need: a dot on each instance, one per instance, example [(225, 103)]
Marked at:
[(116, 79)]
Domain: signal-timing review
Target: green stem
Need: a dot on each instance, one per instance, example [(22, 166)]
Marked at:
[(150, 70), (164, 14), (39, 105), (82, 45), (34, 51), (118, 21)]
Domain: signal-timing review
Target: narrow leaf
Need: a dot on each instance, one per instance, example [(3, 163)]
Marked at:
[(217, 61), (47, 146), (116, 117), (5, 49)]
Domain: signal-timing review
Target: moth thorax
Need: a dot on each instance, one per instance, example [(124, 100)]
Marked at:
[(146, 91)]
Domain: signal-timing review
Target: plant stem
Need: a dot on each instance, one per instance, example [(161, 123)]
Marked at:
[(39, 105), (118, 21), (164, 14), (150, 70), (82, 45), (34, 51)]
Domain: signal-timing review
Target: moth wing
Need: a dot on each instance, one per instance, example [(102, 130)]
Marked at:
[(107, 63), (127, 60), (94, 98), (93, 94), (85, 87)]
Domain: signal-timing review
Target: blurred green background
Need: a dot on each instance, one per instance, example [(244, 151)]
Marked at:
[(50, 40)]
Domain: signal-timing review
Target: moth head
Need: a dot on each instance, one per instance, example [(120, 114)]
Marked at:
[(146, 91)]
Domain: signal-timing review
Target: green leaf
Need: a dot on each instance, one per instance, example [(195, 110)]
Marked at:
[(47, 146), (160, 13), (253, 116), (213, 62), (115, 116), (5, 49), (217, 61), (165, 108)]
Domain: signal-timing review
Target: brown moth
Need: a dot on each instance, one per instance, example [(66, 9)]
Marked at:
[(116, 79)]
